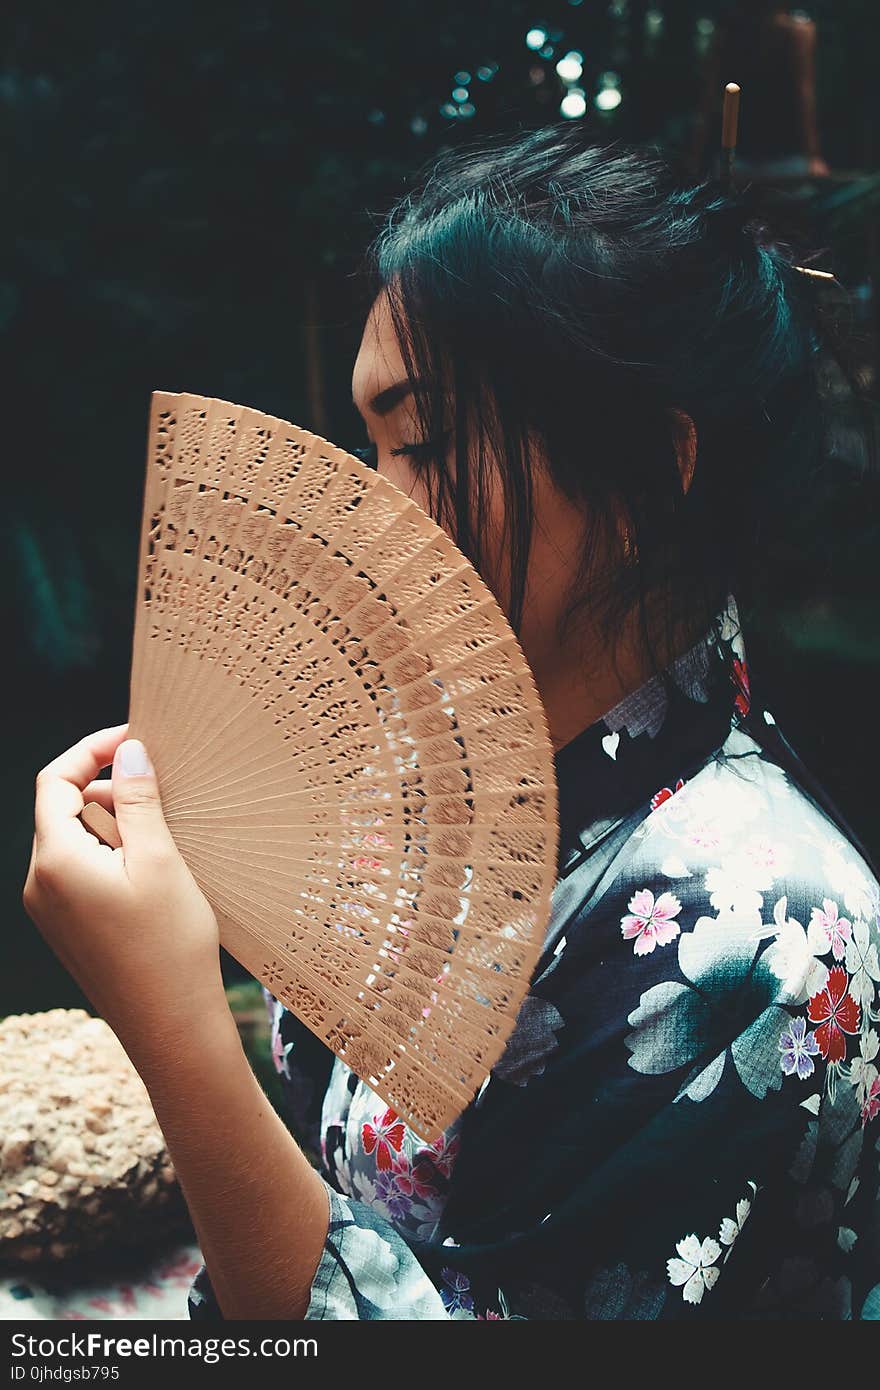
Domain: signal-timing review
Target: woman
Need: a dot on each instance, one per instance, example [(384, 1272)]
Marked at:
[(592, 376)]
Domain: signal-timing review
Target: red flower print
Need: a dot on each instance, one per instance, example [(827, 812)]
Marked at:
[(743, 700), (423, 1176), (836, 1013), (443, 1154), (415, 1181), (665, 793), (871, 1107), (384, 1134)]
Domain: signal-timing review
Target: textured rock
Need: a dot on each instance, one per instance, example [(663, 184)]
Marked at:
[(83, 1164)]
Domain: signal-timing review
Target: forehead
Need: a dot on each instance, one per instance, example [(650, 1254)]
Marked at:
[(379, 362)]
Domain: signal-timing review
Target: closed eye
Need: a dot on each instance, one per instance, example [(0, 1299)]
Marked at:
[(424, 450)]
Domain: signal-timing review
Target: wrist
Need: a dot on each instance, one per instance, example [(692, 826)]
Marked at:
[(178, 1029)]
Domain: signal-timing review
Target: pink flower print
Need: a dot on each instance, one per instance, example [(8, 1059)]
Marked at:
[(830, 927), (180, 1269), (704, 836), (871, 1107), (651, 923), (763, 854)]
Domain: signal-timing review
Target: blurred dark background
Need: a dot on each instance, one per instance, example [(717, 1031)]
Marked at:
[(188, 190)]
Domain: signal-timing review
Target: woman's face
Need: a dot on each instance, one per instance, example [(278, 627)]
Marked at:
[(578, 681), (381, 392)]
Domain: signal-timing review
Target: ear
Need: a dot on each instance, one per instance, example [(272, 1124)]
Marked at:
[(684, 435)]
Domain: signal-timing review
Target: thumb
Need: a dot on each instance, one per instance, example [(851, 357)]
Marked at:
[(137, 805)]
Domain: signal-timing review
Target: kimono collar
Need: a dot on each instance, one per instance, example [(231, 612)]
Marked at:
[(640, 752)]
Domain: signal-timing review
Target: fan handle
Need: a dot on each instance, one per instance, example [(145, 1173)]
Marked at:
[(101, 824)]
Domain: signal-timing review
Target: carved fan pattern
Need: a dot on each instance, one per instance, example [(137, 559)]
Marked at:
[(352, 753)]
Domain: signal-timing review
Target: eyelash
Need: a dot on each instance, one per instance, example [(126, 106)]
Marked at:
[(420, 452), (424, 450)]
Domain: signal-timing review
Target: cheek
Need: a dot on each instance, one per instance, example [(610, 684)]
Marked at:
[(411, 482), (495, 569)]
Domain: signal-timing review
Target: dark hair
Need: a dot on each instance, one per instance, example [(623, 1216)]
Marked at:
[(548, 289)]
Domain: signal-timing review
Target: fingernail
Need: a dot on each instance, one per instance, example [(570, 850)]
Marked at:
[(133, 760)]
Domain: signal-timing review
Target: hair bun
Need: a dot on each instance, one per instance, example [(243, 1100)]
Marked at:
[(730, 216)]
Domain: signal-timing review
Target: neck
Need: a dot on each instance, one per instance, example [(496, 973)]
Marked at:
[(583, 679), (579, 682)]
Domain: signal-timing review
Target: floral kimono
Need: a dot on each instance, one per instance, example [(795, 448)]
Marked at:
[(686, 1119)]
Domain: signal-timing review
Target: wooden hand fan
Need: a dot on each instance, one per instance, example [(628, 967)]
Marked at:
[(352, 754)]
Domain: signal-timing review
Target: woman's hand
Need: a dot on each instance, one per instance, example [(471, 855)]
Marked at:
[(131, 925), (136, 932)]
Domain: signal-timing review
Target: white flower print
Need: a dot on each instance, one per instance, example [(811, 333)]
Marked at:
[(731, 628), (846, 1239), (424, 1219), (387, 1279), (696, 1269), (532, 1042), (364, 1190), (792, 956), (732, 1226), (674, 867), (862, 964), (862, 1071), (768, 855), (343, 1176), (705, 814), (860, 898), (676, 1023), (737, 884)]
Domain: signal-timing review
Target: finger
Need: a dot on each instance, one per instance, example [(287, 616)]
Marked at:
[(138, 807), (100, 791), (59, 796)]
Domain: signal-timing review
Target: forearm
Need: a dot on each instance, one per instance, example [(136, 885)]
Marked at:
[(259, 1208)]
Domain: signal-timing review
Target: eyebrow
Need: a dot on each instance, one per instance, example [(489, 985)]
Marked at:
[(385, 401)]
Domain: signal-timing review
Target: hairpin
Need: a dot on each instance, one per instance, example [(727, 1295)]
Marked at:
[(729, 123)]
